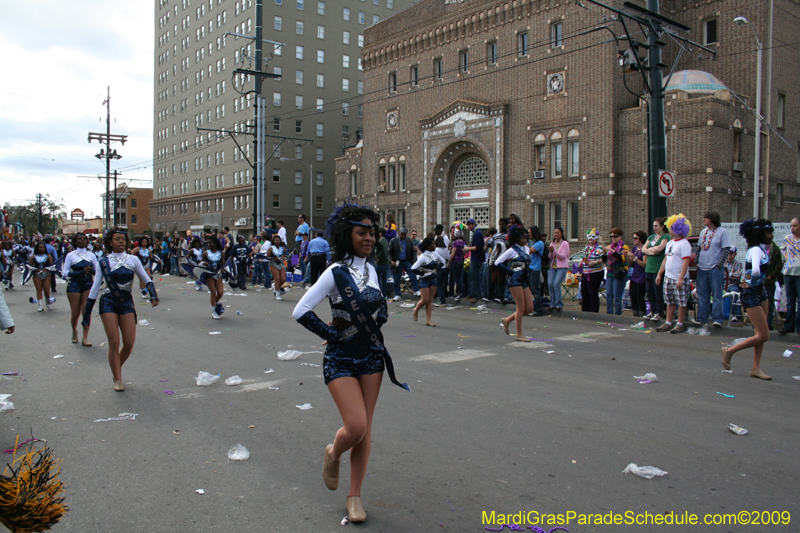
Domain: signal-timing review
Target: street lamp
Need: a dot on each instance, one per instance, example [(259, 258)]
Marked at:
[(741, 21), (310, 188)]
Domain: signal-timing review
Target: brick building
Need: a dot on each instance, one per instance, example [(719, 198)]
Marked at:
[(496, 107), (131, 207)]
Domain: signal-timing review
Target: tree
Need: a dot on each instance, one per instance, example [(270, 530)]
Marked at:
[(41, 215)]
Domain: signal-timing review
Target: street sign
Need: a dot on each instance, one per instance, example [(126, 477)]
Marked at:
[(76, 214), (666, 183)]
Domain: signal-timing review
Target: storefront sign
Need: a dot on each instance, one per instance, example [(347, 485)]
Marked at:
[(472, 195), (76, 214), (241, 222)]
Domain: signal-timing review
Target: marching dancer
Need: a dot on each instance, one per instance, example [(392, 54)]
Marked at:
[(9, 258), (276, 266), (519, 255), (212, 259), (144, 252), (79, 267), (194, 256), (754, 294), (355, 356), (117, 310), (427, 268), (40, 260)]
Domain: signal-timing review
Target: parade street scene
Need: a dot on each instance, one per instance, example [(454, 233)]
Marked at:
[(400, 266)]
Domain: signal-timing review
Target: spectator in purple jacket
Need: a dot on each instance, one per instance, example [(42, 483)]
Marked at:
[(637, 284)]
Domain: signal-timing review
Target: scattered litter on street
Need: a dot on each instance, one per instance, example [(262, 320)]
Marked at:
[(59, 356), (306, 406), (737, 341), (238, 453), (736, 429), (703, 332), (726, 395), (727, 371), (121, 416), (407, 304), (168, 392), (451, 307), (407, 336), (308, 364), (288, 355), (239, 313), (647, 472), (787, 353), (23, 443), (200, 491), (639, 325), (144, 322), (550, 351), (344, 521), (233, 380), (270, 371), (647, 378), (204, 379), (796, 377), (215, 333), (5, 405), (272, 388)]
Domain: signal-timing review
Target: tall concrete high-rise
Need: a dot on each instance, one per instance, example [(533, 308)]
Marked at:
[(201, 178)]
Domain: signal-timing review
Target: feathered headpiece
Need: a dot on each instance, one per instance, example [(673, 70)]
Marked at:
[(680, 225), (593, 234), (459, 226), (337, 214)]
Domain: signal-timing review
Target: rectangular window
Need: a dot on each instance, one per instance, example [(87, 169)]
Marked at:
[(298, 177), (392, 178), (298, 101), (319, 203), (320, 56), (301, 5), (345, 37), (298, 77), (360, 108), (556, 34), (276, 175), (278, 24), (298, 151), (522, 44), (539, 218), (298, 202), (319, 178), (320, 104), (734, 209), (573, 228), (299, 27), (276, 99), (540, 157), (362, 17), (401, 175), (463, 60), (346, 61), (353, 184), (555, 155), (276, 201), (393, 82), (320, 129), (375, 19), (346, 85), (574, 157), (320, 80), (360, 41), (491, 53), (320, 32), (710, 31), (438, 71), (320, 8), (298, 52), (320, 154), (346, 13), (415, 76), (780, 118), (346, 109), (360, 85), (555, 215), (298, 126)]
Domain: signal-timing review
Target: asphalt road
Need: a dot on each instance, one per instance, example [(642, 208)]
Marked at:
[(491, 424)]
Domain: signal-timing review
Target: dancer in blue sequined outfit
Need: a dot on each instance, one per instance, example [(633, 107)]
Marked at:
[(117, 309), (754, 294), (352, 369), (79, 267), (519, 259), (426, 267), (40, 260), (214, 260), (145, 254)]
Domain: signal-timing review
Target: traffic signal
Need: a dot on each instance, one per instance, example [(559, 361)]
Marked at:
[(629, 61)]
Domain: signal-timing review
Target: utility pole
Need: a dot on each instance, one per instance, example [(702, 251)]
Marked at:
[(258, 139), (108, 155), (39, 212)]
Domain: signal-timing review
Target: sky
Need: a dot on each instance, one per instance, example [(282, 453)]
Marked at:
[(58, 60)]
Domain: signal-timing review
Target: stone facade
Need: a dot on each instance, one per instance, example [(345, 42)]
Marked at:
[(467, 115)]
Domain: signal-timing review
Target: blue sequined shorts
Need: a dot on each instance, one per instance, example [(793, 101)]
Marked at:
[(79, 285), (427, 283), (753, 297), (518, 279), (109, 304), (352, 358)]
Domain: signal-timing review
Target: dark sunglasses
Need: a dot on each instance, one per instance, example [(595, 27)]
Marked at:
[(613, 236)]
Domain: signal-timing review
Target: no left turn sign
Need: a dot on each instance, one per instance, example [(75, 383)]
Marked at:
[(666, 183)]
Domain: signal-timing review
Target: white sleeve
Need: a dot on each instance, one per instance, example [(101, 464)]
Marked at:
[(756, 255), (324, 286), (98, 281), (510, 253), (95, 264), (140, 271), (421, 260), (67, 266)]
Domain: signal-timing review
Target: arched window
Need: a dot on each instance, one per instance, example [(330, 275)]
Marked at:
[(472, 172), (392, 174), (573, 152), (555, 154), (382, 175)]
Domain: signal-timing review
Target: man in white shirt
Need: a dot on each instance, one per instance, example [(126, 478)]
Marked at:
[(282, 232), (674, 272)]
